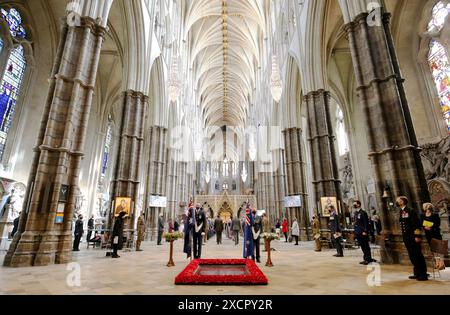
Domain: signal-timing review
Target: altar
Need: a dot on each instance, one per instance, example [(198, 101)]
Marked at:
[(225, 205)]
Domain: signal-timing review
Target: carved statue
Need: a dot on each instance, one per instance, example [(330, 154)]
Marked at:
[(347, 177), (436, 158)]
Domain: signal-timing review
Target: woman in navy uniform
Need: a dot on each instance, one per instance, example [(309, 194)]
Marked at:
[(411, 227)]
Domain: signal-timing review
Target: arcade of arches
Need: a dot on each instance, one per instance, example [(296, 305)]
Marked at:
[(161, 103)]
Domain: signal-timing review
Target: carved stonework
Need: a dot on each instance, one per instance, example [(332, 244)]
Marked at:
[(346, 174), (435, 159)]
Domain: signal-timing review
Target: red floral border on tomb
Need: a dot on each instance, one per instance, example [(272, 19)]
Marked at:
[(188, 276)]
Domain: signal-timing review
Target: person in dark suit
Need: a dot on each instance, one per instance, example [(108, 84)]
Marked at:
[(117, 234), (160, 228), (336, 234), (199, 231), (218, 228), (90, 228), (256, 230), (78, 233), (362, 231), (411, 227)]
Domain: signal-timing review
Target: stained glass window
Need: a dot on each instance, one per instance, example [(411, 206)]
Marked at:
[(440, 69), (440, 12), (107, 148), (10, 91), (15, 22), (341, 133)]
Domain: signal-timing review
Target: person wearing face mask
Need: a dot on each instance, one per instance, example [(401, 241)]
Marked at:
[(335, 228), (411, 228), (78, 233), (199, 231), (362, 229)]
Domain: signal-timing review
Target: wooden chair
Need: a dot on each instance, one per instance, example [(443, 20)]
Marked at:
[(439, 250)]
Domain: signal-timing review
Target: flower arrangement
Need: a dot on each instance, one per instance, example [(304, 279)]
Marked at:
[(270, 236), (173, 236)]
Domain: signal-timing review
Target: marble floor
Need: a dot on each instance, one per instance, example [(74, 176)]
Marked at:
[(298, 270)]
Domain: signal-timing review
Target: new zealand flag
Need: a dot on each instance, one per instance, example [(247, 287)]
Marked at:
[(248, 233)]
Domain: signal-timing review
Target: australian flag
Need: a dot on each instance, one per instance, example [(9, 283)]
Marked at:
[(248, 233), (189, 227)]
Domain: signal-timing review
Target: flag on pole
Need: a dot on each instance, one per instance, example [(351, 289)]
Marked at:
[(248, 234)]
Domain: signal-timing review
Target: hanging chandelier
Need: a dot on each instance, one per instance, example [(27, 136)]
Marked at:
[(276, 84), (207, 175), (174, 82), (244, 174), (252, 148)]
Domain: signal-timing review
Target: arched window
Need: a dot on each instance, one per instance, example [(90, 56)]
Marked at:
[(341, 134), (107, 148), (438, 60), (12, 78)]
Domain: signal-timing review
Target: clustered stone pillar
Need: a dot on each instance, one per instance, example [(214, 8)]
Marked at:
[(59, 151), (172, 180), (279, 178), (157, 171), (323, 152), (126, 180), (181, 188), (393, 147), (296, 177)]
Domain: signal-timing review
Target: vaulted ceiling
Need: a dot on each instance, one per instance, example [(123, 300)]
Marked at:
[(226, 41)]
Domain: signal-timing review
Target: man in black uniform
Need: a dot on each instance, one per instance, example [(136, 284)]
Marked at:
[(335, 228), (412, 237), (256, 232), (199, 231), (362, 229), (78, 233)]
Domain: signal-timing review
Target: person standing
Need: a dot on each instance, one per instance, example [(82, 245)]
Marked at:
[(295, 230), (316, 232), (199, 231), (141, 232), (160, 228), (376, 221), (90, 228), (362, 231), (236, 228), (16, 225), (78, 233), (117, 234), (176, 226), (278, 228), (431, 223), (285, 228), (256, 231), (218, 228), (336, 234), (412, 237), (248, 222), (206, 228)]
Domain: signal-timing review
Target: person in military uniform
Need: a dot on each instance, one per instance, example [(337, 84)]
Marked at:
[(218, 228), (199, 231), (316, 233), (335, 228), (362, 231), (141, 232), (256, 231), (236, 228), (412, 237)]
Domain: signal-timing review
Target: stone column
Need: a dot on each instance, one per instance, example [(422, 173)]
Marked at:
[(279, 179), (296, 177), (156, 176), (323, 151), (393, 147), (59, 151), (130, 152), (171, 184)]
